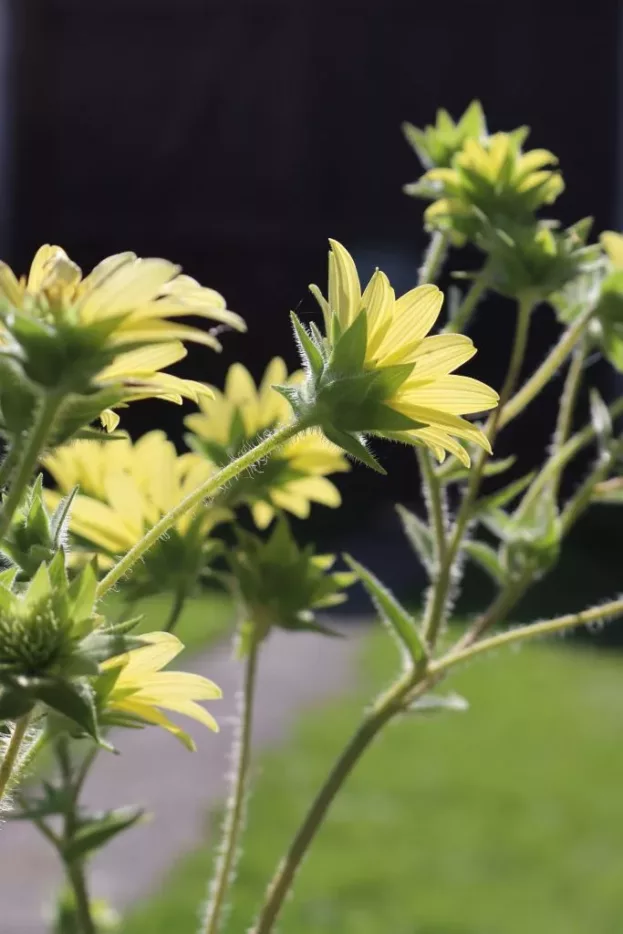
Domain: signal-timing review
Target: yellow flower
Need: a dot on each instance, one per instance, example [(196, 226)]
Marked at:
[(141, 688), (490, 178), (125, 489), (378, 372), (232, 420), (116, 327)]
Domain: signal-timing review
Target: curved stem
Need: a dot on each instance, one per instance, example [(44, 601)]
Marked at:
[(283, 879), (234, 818), (541, 377), (550, 627), (29, 456), (436, 607), (177, 606), (468, 306), (12, 753), (434, 258), (211, 486)]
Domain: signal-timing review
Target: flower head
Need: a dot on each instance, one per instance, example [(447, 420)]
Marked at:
[(377, 372), (437, 145), (51, 641), (536, 260), (106, 336), (490, 178), (238, 417), (282, 584), (133, 688), (125, 489)]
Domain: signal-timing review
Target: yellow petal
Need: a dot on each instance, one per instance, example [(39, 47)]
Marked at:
[(438, 356), (344, 287), (99, 524), (415, 314), (9, 286), (263, 514), (155, 717), (125, 499), (437, 439), (153, 330), (291, 502), (40, 266), (316, 489), (162, 647), (458, 395), (177, 685), (144, 360), (109, 420), (191, 709), (378, 301), (131, 284), (452, 424), (241, 391)]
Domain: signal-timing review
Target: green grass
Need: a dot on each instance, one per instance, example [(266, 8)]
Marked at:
[(507, 819)]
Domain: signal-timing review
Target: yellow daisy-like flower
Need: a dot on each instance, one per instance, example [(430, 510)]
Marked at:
[(377, 371), (116, 327), (141, 689), (234, 419), (125, 489), (490, 178)]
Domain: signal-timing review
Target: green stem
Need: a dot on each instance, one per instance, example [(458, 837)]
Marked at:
[(508, 597), (434, 503), (75, 868), (207, 489), (581, 500), (541, 376), (434, 258), (436, 607), (29, 456), (466, 309), (512, 636), (177, 606), (234, 818), (12, 753), (384, 710), (569, 395)]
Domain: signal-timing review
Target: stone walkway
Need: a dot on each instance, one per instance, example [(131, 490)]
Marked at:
[(177, 787)]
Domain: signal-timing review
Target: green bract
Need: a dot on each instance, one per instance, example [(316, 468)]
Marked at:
[(533, 261), (34, 535), (436, 146), (51, 640), (281, 584)]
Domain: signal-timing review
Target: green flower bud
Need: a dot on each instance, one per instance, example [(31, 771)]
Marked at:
[(436, 145), (281, 584)]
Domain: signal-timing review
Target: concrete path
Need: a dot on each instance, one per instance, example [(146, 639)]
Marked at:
[(177, 787)]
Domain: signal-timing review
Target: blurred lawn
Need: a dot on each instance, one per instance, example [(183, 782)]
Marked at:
[(504, 820)]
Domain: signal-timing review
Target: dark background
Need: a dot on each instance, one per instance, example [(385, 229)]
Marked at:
[(235, 137)]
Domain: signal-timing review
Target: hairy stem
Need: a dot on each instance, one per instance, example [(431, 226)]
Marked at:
[(434, 258), (12, 754), (74, 868), (211, 486), (436, 607), (434, 503), (569, 395), (234, 818), (385, 709), (561, 623), (468, 306), (552, 363), (28, 457)]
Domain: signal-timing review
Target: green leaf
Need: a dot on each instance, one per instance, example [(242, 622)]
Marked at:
[(71, 699), (486, 557), (349, 352), (419, 536), (436, 703), (504, 496), (452, 472), (392, 612), (355, 446), (97, 831), (309, 351), (60, 518)]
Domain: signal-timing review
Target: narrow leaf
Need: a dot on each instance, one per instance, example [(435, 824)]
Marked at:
[(97, 831), (419, 535), (486, 557), (391, 611)]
